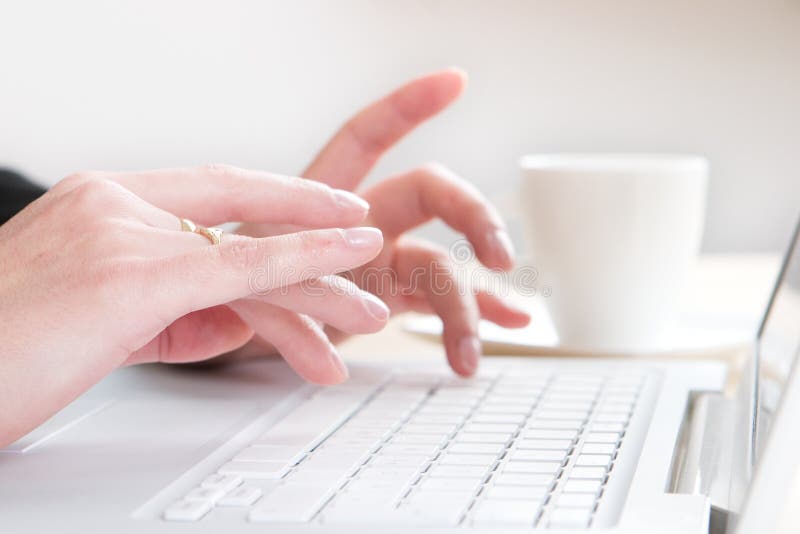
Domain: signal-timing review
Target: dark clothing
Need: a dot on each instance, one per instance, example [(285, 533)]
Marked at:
[(15, 193)]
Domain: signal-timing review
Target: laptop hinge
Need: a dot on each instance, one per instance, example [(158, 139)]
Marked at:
[(703, 460)]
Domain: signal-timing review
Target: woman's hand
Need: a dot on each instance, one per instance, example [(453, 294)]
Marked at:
[(97, 273), (418, 270)]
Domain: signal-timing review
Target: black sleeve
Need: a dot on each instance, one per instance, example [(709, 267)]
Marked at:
[(15, 193)]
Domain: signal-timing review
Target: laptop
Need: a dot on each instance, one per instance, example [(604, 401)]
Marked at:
[(530, 443)]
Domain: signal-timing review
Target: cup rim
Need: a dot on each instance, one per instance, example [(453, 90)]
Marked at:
[(614, 161)]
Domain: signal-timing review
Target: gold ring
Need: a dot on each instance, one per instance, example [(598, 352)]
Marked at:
[(212, 234)]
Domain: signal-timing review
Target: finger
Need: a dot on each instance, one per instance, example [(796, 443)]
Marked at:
[(299, 339), (426, 267), (334, 301), (352, 152), (500, 312), (242, 266), (214, 194), (491, 308), (414, 198), (196, 336)]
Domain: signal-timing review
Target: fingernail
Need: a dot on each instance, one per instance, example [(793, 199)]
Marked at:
[(348, 200), (503, 246), (376, 307), (469, 348), (364, 237)]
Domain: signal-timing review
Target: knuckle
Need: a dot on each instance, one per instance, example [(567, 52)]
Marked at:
[(315, 240), (74, 180), (241, 255), (96, 193)]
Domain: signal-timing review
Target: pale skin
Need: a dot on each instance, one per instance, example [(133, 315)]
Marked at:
[(97, 273)]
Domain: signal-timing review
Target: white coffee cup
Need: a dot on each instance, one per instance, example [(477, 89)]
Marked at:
[(613, 237)]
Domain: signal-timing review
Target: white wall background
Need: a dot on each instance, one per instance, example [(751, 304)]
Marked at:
[(97, 84)]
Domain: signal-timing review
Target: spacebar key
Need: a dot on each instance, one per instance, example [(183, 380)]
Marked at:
[(310, 423), (291, 504)]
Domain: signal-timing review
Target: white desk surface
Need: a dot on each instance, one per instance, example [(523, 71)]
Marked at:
[(732, 287)]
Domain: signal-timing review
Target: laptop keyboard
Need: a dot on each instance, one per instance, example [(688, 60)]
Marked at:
[(512, 450)]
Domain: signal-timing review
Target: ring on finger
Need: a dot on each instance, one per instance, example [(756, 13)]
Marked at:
[(214, 235)]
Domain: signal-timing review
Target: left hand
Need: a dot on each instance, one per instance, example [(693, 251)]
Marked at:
[(418, 269)]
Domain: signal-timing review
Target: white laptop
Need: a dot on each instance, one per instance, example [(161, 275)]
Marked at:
[(535, 443)]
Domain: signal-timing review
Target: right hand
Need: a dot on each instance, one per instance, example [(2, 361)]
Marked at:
[(97, 274)]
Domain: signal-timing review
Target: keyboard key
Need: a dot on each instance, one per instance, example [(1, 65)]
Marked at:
[(469, 437), (187, 510), (491, 428), (505, 512), (241, 496), (402, 449), (437, 440), (526, 400), (468, 459), (311, 422), (561, 415), (458, 471), (555, 424), (204, 494), (287, 455), (611, 417), (602, 437), (324, 461), (528, 493), (356, 495), (572, 396), (256, 470), (469, 485), (302, 429), (437, 419), (616, 407), (576, 500), (598, 448), (221, 482), (385, 488), (504, 408), (545, 444), (591, 473), (550, 468), (585, 406), (398, 461), (594, 460), (275, 453), (437, 429), (291, 503), (433, 408), (581, 378), (475, 448), (381, 472), (570, 517), (621, 398), (498, 418), (619, 428), (523, 479), (538, 456), (582, 486), (550, 434), (436, 512)]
